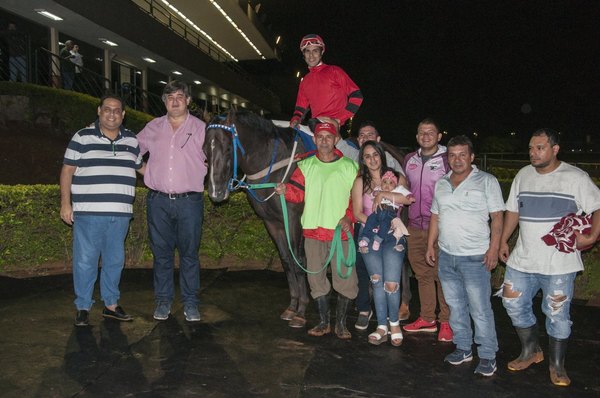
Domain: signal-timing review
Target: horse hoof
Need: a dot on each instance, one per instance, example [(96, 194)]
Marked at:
[(288, 314), (297, 322)]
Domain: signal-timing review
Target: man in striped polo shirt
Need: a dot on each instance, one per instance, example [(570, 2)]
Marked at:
[(541, 194), (97, 189)]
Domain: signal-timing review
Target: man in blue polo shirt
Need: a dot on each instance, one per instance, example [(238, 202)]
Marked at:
[(97, 189)]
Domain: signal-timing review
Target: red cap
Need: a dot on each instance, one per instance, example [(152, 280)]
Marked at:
[(328, 127), (312, 40)]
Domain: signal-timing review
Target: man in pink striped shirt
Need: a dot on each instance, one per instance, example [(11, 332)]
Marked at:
[(175, 175)]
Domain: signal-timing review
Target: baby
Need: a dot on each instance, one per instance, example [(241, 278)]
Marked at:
[(380, 221)]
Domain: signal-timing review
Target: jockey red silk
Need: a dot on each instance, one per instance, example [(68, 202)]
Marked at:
[(328, 91)]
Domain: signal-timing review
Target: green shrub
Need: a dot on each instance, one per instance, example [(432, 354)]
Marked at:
[(33, 233), (69, 111)]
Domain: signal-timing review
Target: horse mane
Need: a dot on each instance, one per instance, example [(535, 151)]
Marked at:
[(257, 123)]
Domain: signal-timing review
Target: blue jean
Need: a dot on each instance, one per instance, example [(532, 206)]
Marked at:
[(387, 264), (95, 237), (175, 224), (557, 309), (380, 220), (467, 289), (68, 77)]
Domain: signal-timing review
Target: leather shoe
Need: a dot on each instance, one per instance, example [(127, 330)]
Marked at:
[(117, 314), (82, 318)]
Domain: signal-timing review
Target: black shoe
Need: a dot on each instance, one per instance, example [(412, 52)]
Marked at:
[(82, 319), (117, 314)]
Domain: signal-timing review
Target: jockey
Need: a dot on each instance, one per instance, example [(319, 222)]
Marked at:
[(326, 89)]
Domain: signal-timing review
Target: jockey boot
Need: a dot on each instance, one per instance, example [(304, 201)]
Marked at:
[(323, 327), (340, 318), (558, 350), (530, 349)]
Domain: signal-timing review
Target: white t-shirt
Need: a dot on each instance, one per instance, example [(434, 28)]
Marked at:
[(464, 212), (399, 189), (541, 201)]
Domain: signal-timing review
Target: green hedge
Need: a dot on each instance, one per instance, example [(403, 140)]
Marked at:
[(33, 233), (69, 111)]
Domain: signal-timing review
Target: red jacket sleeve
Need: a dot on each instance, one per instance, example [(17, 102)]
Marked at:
[(302, 105), (294, 190), (355, 97)]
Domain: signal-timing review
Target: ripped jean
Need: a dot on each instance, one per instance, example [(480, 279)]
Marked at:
[(557, 293), (387, 263)]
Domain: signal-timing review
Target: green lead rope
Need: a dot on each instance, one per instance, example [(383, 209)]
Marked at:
[(336, 245)]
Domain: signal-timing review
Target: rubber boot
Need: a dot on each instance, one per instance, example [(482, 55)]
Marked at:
[(530, 349), (323, 327), (558, 350), (340, 318)]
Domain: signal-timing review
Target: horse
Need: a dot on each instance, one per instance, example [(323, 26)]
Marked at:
[(261, 145)]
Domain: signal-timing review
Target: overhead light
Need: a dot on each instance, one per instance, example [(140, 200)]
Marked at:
[(162, 82), (108, 42), (176, 72), (236, 27), (197, 82), (197, 28), (278, 39), (150, 60), (48, 14), (138, 72)]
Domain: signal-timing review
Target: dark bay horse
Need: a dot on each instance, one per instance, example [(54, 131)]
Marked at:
[(262, 144)]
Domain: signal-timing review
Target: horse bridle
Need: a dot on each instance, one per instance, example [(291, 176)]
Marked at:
[(234, 183)]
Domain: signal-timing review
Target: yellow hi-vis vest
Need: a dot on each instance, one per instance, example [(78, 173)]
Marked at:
[(327, 189)]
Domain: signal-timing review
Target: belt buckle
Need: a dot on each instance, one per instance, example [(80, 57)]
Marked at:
[(172, 196)]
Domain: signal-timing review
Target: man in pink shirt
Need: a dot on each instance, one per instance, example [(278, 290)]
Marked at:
[(175, 204)]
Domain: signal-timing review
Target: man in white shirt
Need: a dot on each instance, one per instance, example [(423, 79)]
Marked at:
[(464, 201), (541, 194)]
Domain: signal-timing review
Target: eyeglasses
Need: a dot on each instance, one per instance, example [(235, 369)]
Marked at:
[(175, 98)]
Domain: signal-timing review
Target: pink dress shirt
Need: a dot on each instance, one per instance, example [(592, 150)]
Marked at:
[(177, 163)]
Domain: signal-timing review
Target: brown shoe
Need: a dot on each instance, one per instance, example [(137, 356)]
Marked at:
[(320, 330), (288, 314), (404, 312), (297, 322)]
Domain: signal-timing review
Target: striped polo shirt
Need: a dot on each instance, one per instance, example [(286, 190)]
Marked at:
[(104, 181)]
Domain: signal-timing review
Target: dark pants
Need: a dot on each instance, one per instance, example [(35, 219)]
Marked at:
[(175, 223), (363, 300)]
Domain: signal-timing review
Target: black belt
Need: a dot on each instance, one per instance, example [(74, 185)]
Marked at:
[(175, 195)]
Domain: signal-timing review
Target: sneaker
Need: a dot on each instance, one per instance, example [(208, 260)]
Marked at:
[(362, 323), (445, 333), (82, 318), (459, 356), (421, 325), (117, 314), (191, 313), (486, 367), (162, 311)]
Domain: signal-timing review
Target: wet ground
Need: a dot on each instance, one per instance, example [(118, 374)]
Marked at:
[(242, 349)]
